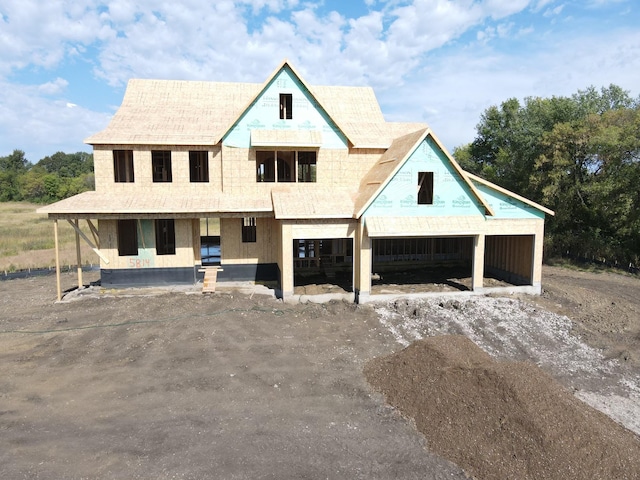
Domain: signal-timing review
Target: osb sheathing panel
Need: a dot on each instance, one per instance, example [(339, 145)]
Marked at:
[(195, 240), (180, 184), (263, 250), (514, 226), (146, 257), (322, 229), (158, 205), (311, 201), (175, 112)]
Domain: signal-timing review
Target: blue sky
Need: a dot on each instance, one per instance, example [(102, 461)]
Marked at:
[(64, 64)]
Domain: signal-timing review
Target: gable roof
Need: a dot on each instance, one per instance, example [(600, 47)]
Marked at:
[(493, 186), (393, 159), (179, 112), (285, 64)]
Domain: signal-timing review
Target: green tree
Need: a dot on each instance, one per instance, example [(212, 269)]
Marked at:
[(11, 168), (578, 155), (68, 164)]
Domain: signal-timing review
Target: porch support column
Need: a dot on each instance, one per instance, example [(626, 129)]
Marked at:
[(478, 262), (286, 261), (55, 240), (78, 254), (362, 267)]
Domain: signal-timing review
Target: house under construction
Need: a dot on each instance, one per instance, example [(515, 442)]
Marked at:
[(300, 182)]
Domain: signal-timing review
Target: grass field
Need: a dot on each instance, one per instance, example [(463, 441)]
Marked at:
[(26, 239)]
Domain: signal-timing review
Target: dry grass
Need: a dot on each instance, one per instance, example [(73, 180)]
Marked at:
[(26, 239)]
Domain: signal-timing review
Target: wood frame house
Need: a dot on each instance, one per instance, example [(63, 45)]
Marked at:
[(303, 179)]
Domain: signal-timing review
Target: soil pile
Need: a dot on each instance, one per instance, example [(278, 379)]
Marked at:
[(499, 419)]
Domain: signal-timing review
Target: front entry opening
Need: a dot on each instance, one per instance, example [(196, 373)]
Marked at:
[(425, 264), (322, 265), (210, 241)]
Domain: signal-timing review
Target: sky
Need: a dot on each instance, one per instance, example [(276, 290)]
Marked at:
[(64, 65)]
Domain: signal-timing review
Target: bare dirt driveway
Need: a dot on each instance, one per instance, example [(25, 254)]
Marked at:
[(179, 386), (236, 386)]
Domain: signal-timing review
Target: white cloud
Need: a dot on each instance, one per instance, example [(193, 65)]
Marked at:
[(53, 88), (459, 87), (38, 33), (32, 121), (396, 47), (551, 12)]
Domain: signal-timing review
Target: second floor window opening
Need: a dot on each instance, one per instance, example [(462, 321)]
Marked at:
[(161, 164), (284, 166), (198, 166), (425, 188), (123, 166), (286, 106)]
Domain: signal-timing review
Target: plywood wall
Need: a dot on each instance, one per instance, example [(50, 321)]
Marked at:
[(263, 250), (147, 257), (512, 254), (180, 184)]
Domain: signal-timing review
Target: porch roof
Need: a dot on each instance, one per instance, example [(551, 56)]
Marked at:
[(97, 205), (301, 202)]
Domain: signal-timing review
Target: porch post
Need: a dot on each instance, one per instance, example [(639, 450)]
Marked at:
[(55, 240), (478, 262), (78, 255), (286, 249), (362, 251)]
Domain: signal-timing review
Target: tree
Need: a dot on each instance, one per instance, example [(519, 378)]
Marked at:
[(68, 164), (11, 167), (578, 155)]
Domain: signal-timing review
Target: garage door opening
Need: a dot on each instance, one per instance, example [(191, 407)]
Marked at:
[(414, 265), (509, 258), (323, 265)]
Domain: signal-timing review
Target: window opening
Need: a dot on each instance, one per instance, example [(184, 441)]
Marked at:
[(306, 166), (165, 237), (286, 166), (425, 188), (266, 166), (123, 166), (198, 166), (127, 238), (286, 104), (161, 164), (248, 229)]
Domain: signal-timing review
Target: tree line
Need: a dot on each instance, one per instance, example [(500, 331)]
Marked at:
[(577, 155), (53, 178)]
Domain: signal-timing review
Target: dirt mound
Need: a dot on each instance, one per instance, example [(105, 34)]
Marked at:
[(500, 419)]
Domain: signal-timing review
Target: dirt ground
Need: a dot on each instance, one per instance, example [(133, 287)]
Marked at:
[(176, 385)]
